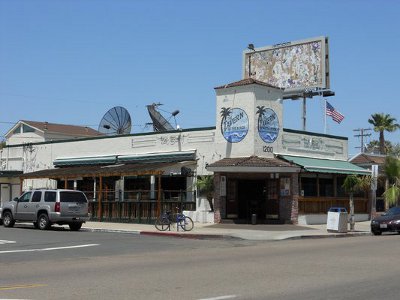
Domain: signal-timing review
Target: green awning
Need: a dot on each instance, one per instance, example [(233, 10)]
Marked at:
[(162, 157), (177, 156), (85, 161), (326, 165)]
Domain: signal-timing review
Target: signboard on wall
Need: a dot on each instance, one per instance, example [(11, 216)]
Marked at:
[(295, 66)]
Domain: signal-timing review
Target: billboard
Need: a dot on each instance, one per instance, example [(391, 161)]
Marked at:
[(295, 66)]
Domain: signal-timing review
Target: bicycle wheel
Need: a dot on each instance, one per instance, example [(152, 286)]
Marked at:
[(162, 223), (187, 224)]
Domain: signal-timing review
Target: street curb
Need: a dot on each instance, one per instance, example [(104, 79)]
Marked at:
[(197, 236), (206, 236), (337, 235)]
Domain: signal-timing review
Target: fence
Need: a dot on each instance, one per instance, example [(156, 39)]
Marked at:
[(139, 206), (321, 206)]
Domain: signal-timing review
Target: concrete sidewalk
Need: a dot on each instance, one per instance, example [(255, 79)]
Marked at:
[(229, 231)]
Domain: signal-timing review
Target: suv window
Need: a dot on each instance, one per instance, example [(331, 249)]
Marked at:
[(36, 196), (72, 197), (50, 196), (25, 197)]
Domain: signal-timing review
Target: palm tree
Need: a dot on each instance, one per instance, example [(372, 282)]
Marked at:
[(383, 122), (392, 171), (225, 112), (260, 111), (205, 186), (351, 184)]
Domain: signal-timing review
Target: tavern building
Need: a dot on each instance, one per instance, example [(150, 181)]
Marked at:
[(260, 168)]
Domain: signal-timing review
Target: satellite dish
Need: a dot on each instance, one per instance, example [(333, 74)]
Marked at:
[(159, 122), (116, 121)]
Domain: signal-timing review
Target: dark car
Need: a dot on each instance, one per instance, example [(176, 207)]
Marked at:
[(389, 221)]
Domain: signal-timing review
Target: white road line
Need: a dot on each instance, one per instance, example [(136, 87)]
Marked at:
[(220, 297), (2, 242), (48, 249)]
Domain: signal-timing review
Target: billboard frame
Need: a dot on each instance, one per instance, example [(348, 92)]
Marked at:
[(296, 92)]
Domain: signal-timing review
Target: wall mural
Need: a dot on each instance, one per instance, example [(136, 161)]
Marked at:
[(234, 124), (268, 124)]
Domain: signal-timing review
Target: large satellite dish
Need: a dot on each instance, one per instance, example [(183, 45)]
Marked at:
[(116, 121), (159, 122)]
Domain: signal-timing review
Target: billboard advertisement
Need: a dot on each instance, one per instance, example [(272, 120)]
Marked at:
[(295, 66)]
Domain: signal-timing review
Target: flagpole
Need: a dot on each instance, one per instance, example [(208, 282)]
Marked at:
[(324, 116)]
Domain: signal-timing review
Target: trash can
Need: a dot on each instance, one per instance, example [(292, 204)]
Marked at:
[(254, 219), (337, 220)]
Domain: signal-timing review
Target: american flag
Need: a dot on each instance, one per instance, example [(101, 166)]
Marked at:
[(331, 111)]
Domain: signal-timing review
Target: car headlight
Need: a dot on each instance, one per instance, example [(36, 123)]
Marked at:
[(374, 222)]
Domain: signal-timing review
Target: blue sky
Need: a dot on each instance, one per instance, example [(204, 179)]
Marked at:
[(70, 61)]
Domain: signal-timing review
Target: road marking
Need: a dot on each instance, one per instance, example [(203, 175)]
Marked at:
[(48, 249), (6, 242), (220, 297), (21, 286)]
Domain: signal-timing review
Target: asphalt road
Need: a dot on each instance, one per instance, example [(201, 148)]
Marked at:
[(60, 264)]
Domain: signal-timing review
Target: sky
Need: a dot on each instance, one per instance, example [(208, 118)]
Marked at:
[(69, 62)]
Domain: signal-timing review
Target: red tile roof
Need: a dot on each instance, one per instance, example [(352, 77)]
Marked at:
[(251, 161), (72, 130), (246, 81), (364, 158)]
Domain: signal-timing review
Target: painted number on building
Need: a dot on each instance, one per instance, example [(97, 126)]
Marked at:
[(268, 149)]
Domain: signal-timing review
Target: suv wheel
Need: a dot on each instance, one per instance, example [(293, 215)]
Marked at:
[(8, 220), (43, 222), (75, 226)]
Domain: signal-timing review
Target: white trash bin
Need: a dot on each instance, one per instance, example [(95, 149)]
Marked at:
[(337, 220)]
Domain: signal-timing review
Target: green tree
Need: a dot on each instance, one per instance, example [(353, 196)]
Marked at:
[(383, 122), (352, 184), (205, 187), (392, 172)]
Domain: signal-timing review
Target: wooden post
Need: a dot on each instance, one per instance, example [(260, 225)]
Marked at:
[(100, 209), (65, 183), (159, 196), (21, 182)]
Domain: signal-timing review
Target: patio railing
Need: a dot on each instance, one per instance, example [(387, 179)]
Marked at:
[(139, 206)]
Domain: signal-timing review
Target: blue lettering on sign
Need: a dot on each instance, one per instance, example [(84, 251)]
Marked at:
[(234, 124)]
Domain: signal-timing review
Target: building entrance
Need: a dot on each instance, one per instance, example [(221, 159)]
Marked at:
[(252, 200)]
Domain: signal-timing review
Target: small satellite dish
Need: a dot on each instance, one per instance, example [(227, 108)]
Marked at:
[(116, 121)]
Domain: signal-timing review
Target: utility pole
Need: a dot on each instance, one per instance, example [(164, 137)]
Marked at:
[(362, 134)]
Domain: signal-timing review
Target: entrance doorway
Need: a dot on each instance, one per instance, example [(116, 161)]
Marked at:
[(252, 200)]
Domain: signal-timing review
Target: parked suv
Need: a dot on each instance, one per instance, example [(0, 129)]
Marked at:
[(47, 207)]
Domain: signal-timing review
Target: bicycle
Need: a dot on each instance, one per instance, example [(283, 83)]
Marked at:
[(166, 219)]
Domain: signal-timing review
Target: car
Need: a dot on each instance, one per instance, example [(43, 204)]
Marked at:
[(45, 207), (389, 221)]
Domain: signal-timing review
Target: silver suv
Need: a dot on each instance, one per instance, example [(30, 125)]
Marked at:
[(47, 207)]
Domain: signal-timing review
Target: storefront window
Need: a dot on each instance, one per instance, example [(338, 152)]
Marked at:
[(326, 187), (339, 186), (309, 186)]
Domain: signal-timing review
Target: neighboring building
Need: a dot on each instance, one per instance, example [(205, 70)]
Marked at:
[(25, 134), (260, 168)]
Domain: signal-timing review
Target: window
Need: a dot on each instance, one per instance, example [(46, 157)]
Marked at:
[(309, 186), (72, 197), (36, 196), (340, 192), (50, 196), (326, 187), (17, 130), (25, 197), (26, 128)]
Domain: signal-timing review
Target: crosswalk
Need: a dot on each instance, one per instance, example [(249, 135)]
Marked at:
[(2, 242)]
